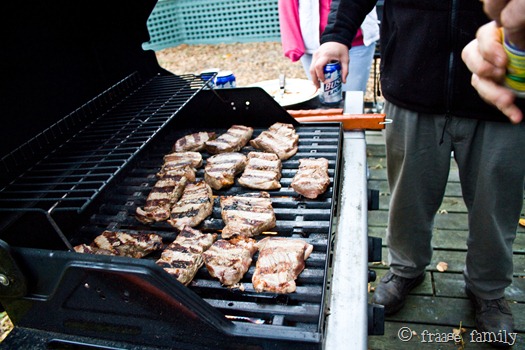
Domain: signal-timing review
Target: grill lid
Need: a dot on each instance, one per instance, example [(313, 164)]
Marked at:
[(60, 54)]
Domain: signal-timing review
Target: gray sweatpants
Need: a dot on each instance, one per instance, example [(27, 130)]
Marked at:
[(491, 162)]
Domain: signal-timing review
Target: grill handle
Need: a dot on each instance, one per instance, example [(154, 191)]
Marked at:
[(12, 281), (375, 121)]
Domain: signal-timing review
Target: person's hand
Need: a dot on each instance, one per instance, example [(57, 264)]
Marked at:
[(487, 60), (510, 14), (325, 53)]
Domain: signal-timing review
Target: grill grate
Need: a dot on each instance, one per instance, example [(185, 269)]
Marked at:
[(310, 220), (92, 145)]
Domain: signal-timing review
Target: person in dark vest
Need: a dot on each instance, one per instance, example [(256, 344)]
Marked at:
[(436, 112)]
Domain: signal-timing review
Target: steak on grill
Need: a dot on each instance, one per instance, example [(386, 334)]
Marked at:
[(262, 172), (123, 244), (192, 158), (280, 139), (183, 257), (247, 214), (162, 196), (193, 207), (232, 140), (183, 164), (312, 178), (279, 263), (220, 169), (228, 260), (193, 142)]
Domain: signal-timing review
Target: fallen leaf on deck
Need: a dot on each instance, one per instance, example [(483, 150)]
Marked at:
[(442, 266)]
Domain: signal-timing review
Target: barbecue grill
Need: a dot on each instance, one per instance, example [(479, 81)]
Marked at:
[(88, 120)]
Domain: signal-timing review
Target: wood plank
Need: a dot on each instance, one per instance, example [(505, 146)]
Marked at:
[(453, 189), (450, 221), (448, 312), (391, 339), (449, 239), (452, 285), (456, 261), (378, 166)]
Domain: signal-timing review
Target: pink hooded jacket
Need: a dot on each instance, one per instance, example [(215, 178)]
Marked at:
[(291, 37)]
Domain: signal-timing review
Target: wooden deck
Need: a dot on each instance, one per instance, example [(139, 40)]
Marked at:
[(439, 305)]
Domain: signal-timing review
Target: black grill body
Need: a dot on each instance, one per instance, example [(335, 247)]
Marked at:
[(98, 124)]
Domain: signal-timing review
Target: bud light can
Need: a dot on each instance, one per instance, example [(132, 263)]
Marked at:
[(332, 87), (225, 79), (207, 75)]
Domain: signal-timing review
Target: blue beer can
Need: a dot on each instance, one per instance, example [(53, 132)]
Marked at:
[(225, 79), (208, 75), (332, 87)]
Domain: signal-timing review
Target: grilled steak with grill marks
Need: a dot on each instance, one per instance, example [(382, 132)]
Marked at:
[(279, 263), (90, 249), (247, 214), (220, 169), (193, 142), (280, 139), (228, 260), (231, 141), (262, 172), (162, 196), (183, 257), (123, 244), (192, 158), (182, 164), (193, 207), (312, 178)]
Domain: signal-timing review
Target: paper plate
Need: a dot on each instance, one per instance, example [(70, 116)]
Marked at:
[(296, 90)]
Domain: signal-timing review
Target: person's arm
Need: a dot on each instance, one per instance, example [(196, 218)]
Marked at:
[(344, 20)]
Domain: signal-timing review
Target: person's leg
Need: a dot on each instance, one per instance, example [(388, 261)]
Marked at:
[(418, 166), (361, 58), (492, 173)]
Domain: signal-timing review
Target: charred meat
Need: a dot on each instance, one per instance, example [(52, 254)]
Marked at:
[(231, 141), (280, 139), (93, 249), (191, 158), (183, 257), (182, 164), (220, 169), (262, 172), (247, 214), (123, 244), (279, 263), (193, 142), (193, 207), (228, 260), (312, 178), (163, 195)]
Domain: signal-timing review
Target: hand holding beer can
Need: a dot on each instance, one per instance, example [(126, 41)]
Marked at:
[(332, 87)]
